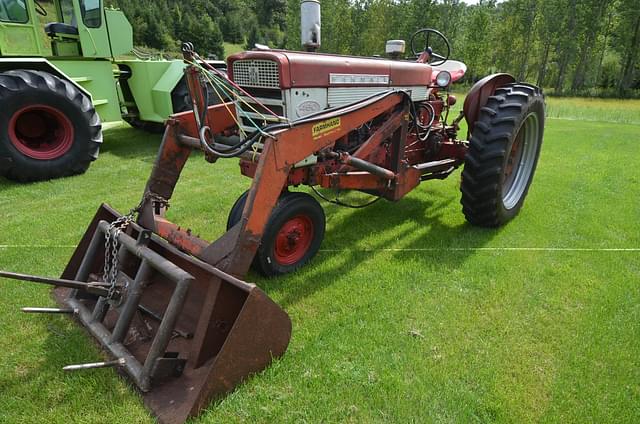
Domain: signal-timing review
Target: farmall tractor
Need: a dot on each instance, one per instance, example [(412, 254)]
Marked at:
[(62, 81), (172, 310)]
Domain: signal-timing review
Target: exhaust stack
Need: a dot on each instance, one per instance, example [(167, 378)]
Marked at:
[(310, 24)]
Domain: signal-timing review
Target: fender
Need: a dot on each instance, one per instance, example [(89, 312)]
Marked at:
[(480, 93), (38, 64)]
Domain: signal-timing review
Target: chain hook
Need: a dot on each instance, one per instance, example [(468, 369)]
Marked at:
[(112, 245)]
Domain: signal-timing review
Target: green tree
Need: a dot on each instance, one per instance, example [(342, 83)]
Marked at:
[(628, 43)]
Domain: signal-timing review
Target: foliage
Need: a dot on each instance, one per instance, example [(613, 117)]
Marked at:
[(573, 46)]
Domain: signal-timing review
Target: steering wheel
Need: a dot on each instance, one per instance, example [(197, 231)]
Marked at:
[(424, 38), (40, 10)]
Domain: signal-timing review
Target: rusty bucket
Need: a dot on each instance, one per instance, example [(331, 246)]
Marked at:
[(182, 331)]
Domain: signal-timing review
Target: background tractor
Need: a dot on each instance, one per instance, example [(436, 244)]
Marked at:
[(60, 82)]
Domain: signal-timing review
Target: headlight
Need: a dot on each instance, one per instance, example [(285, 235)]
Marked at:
[(443, 79)]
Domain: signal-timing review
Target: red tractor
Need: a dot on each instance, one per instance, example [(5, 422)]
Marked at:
[(375, 125), (172, 310)]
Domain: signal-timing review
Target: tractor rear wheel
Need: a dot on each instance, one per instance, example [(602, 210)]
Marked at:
[(48, 128), (292, 235), (503, 155)]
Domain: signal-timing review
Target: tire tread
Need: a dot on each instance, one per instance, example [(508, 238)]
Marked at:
[(497, 123)]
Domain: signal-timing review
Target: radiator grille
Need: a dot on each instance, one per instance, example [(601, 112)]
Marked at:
[(256, 73)]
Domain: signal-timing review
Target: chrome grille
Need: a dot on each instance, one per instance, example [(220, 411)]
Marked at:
[(256, 73)]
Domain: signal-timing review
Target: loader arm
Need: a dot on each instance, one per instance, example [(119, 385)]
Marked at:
[(234, 251)]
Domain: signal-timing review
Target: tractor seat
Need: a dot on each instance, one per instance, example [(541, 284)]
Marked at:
[(56, 28)]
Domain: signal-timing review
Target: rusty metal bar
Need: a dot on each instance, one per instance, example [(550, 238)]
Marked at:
[(97, 241), (363, 165), (134, 294), (384, 132), (49, 310), (116, 363), (100, 310), (94, 288), (165, 330), (141, 374), (437, 166), (100, 332), (159, 318)]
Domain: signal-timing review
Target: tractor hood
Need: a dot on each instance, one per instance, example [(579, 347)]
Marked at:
[(301, 69)]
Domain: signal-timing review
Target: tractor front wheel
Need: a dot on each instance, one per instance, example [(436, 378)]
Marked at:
[(503, 154), (48, 128), (292, 235)]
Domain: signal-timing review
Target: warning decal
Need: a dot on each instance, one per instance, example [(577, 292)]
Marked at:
[(325, 127)]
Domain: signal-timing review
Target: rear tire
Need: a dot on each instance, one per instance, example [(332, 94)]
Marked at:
[(503, 155), (48, 128), (292, 236)]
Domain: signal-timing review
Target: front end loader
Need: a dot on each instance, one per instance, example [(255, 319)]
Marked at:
[(172, 310)]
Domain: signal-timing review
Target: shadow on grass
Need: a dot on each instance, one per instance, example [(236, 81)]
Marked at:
[(5, 183), (432, 233), (124, 142), (412, 223)]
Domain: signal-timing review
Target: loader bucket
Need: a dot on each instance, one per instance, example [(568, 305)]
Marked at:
[(183, 332)]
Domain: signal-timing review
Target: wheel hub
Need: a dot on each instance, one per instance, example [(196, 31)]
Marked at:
[(41, 132), (520, 162), (293, 240)]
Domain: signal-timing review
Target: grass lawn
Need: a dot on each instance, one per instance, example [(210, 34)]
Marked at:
[(230, 48), (407, 315)]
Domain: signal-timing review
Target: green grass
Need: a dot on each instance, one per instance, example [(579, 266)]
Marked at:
[(230, 48), (589, 109), (433, 335)]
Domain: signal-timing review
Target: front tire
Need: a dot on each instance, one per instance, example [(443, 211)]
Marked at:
[(48, 128), (292, 236), (503, 155)]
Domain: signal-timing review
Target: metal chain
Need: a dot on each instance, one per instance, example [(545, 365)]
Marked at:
[(112, 245)]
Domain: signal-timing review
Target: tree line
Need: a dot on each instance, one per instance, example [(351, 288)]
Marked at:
[(578, 47)]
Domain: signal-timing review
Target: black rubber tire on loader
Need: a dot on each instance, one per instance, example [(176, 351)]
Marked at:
[(297, 218), (236, 210), (146, 126), (48, 127), (180, 98), (503, 155)]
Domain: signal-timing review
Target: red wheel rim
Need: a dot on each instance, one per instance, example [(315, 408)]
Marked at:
[(293, 240), (41, 132)]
